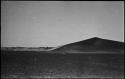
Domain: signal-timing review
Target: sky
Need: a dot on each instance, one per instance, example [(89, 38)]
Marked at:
[(55, 23)]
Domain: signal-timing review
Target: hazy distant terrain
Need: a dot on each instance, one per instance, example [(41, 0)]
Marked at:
[(26, 48), (85, 59)]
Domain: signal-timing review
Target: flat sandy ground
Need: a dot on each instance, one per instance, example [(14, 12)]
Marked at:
[(36, 65)]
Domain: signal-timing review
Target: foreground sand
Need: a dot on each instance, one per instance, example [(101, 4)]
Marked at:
[(35, 65)]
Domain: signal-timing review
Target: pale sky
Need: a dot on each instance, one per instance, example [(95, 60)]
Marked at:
[(54, 23)]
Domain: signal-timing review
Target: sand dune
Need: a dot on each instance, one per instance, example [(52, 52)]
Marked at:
[(92, 45)]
